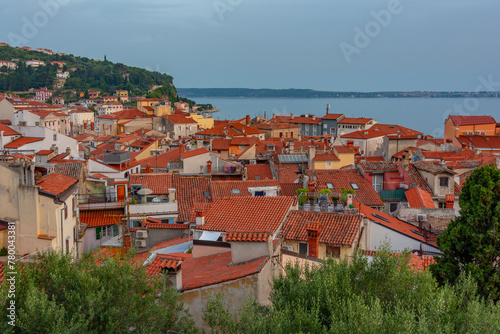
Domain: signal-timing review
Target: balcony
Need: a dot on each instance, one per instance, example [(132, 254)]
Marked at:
[(227, 170), (153, 208), (398, 194), (102, 200)]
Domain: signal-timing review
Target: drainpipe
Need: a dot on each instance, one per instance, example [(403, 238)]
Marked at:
[(1, 140), (62, 230)]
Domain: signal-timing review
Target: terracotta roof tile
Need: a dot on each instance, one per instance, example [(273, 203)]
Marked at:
[(288, 173), (418, 198), (296, 120), (55, 183), (244, 236), (179, 119), (416, 180), (95, 218), (8, 131), (290, 189), (247, 214), (337, 228), (161, 160), (167, 226), (470, 120), (378, 166), (343, 178), (332, 116), (219, 189), (22, 141), (354, 120), (326, 157), (190, 190), (220, 144), (159, 183), (364, 134), (193, 153), (396, 129), (262, 171), (204, 206)]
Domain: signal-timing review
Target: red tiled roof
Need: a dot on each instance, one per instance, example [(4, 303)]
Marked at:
[(126, 114), (244, 141), (344, 149), (81, 138), (364, 134), (204, 206), (263, 171), (192, 153), (274, 126), (470, 120), (394, 224), (332, 116), (416, 180), (288, 173), (220, 144), (19, 142), (290, 189), (95, 218), (189, 190), (378, 166), (219, 189), (44, 152), (437, 154), (244, 236), (353, 120), (179, 119), (396, 129), (208, 270), (56, 184), (343, 178), (118, 166), (167, 226), (394, 175), (326, 157), (337, 228), (418, 198), (231, 129), (482, 142), (8, 131), (159, 183), (247, 214), (161, 160)]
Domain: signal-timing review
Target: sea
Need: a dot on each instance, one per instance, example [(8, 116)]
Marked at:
[(423, 114)]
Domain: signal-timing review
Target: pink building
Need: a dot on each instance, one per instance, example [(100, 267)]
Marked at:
[(43, 94)]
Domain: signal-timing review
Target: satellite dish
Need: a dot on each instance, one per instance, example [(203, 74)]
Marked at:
[(145, 191)]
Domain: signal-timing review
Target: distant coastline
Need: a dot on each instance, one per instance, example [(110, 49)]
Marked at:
[(309, 93)]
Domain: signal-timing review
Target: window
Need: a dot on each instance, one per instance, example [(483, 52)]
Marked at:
[(330, 186), (328, 164), (333, 252), (54, 137), (354, 186), (325, 126), (235, 191), (242, 147), (260, 193), (307, 128), (257, 177), (443, 181), (393, 207), (332, 131), (377, 182), (303, 248)]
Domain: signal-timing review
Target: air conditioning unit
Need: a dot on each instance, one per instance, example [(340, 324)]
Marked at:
[(141, 234), (140, 243), (288, 248), (403, 186), (421, 217)]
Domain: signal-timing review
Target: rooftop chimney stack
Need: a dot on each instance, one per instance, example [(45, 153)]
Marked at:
[(173, 271), (200, 217), (248, 120), (450, 201), (313, 231)]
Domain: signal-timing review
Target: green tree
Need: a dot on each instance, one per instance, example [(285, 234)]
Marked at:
[(96, 294), (471, 242), (383, 295)]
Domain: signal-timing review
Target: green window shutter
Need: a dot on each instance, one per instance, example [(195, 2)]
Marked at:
[(98, 233), (115, 230)]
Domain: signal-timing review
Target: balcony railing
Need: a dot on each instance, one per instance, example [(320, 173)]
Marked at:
[(393, 194), (227, 170)]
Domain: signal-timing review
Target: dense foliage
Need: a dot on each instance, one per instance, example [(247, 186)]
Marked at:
[(471, 243), (96, 294), (90, 74), (381, 296)]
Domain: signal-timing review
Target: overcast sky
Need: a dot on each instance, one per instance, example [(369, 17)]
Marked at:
[(345, 45)]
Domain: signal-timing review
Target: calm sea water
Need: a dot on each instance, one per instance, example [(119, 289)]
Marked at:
[(423, 114)]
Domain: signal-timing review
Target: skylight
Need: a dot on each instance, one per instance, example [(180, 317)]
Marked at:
[(354, 186), (235, 191), (330, 186)]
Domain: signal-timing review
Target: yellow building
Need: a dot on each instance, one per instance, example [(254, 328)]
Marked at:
[(203, 122), (154, 107), (339, 157), (322, 234)]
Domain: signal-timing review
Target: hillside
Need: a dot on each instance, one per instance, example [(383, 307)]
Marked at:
[(105, 76)]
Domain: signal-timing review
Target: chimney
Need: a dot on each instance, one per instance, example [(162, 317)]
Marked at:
[(464, 146), (92, 126), (181, 148), (200, 217), (314, 117), (313, 231), (310, 156), (173, 270), (350, 143), (274, 115), (209, 167), (450, 201), (310, 186), (85, 125), (171, 194), (248, 120), (68, 150), (127, 243), (291, 116)]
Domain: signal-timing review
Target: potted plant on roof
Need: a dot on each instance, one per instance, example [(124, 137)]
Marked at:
[(302, 195), (335, 200), (323, 196), (343, 195)]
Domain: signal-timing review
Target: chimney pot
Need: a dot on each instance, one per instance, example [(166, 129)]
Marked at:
[(313, 232)]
